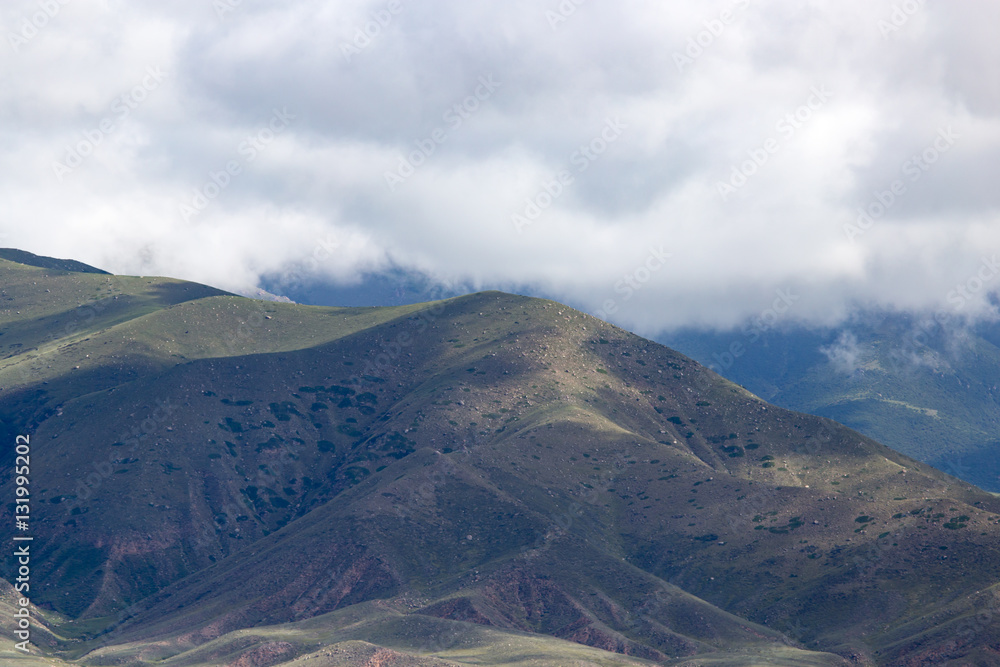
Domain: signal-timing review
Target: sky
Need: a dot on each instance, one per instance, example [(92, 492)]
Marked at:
[(658, 164)]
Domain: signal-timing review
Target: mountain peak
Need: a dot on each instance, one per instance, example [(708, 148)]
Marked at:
[(30, 259)]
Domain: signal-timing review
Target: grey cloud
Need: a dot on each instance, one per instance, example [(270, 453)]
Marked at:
[(785, 226)]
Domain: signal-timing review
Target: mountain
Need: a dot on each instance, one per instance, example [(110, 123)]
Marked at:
[(488, 479), (30, 259), (926, 386)]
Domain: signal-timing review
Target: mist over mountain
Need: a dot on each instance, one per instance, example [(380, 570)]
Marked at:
[(392, 287), (923, 383)]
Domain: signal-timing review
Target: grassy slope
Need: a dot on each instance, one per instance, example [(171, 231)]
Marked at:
[(936, 400), (30, 259), (349, 636), (141, 482), (513, 462)]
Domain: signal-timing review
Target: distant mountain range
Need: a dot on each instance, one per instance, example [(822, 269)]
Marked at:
[(929, 390), (487, 479)]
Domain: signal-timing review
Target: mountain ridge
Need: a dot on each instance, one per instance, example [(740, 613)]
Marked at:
[(492, 460), (911, 382), (30, 259)]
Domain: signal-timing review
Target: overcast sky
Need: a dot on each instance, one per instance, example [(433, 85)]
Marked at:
[(714, 153)]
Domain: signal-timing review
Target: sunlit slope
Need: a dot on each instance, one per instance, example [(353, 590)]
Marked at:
[(24, 258), (380, 631)]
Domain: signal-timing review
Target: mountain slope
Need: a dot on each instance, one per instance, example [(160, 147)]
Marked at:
[(29, 259), (491, 459), (927, 389)]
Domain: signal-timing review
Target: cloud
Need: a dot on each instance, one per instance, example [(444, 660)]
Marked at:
[(728, 156), (844, 354)]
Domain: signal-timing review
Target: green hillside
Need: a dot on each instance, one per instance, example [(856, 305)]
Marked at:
[(490, 479), (29, 259)]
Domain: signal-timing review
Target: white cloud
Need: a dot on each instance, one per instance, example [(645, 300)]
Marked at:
[(844, 354), (657, 184)]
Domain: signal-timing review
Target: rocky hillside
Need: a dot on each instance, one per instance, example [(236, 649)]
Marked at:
[(213, 473)]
